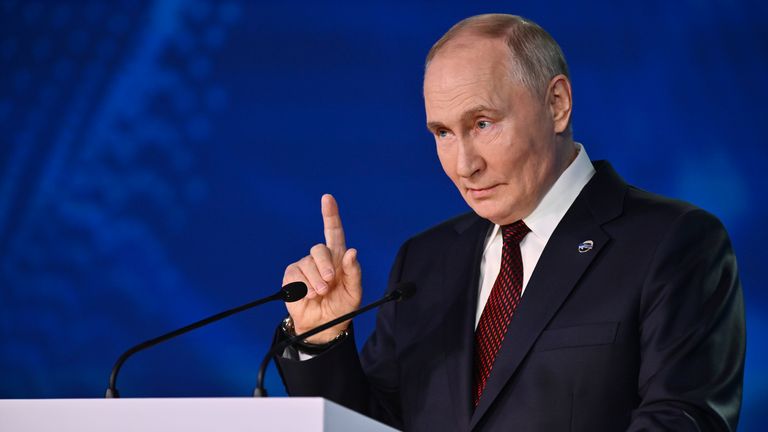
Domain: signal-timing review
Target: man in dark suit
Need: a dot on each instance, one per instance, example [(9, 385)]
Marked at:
[(566, 300)]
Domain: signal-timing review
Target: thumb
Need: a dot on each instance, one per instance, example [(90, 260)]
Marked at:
[(352, 274)]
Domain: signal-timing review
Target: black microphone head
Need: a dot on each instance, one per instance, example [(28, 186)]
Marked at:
[(293, 291), (404, 290)]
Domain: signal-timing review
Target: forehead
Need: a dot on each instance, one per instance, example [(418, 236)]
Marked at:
[(468, 67)]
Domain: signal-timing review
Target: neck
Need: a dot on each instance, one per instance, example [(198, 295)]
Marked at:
[(567, 155)]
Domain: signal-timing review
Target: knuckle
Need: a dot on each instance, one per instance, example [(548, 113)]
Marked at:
[(292, 274), (317, 249), (290, 270), (306, 262), (309, 269)]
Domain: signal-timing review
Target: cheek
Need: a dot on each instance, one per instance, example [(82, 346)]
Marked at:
[(502, 152), (495, 137)]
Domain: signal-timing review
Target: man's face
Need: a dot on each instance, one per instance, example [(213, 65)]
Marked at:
[(495, 138)]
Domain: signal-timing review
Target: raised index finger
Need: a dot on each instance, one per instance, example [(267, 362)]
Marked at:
[(334, 232)]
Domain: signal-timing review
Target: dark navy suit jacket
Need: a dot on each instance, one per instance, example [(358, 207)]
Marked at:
[(644, 332)]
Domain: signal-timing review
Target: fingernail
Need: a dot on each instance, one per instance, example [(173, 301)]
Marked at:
[(321, 288), (328, 274)]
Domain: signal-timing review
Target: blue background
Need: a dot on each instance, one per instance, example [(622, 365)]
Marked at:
[(164, 160)]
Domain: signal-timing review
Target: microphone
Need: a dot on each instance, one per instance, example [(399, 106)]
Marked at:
[(290, 293), (402, 291)]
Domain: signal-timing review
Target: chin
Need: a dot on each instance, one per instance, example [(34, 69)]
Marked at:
[(494, 213), (486, 212)]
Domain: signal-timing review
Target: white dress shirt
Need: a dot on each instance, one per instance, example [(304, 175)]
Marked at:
[(542, 222)]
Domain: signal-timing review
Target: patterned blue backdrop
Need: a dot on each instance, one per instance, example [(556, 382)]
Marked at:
[(163, 160)]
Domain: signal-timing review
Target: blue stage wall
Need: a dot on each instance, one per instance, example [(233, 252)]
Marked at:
[(163, 160)]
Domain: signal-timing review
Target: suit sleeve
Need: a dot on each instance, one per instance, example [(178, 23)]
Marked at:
[(692, 332), (367, 383)]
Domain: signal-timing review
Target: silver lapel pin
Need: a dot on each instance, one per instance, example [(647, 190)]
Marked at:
[(586, 246)]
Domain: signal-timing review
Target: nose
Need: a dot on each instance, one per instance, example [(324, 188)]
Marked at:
[(469, 161)]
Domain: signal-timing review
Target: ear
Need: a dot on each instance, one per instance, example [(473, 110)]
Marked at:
[(560, 101)]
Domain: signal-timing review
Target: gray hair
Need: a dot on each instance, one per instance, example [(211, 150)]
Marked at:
[(535, 54)]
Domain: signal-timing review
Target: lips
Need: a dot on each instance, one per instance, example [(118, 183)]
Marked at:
[(478, 193)]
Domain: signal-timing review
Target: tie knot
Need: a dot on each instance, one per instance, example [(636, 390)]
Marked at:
[(515, 232)]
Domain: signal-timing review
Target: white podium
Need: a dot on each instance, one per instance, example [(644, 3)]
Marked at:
[(182, 414)]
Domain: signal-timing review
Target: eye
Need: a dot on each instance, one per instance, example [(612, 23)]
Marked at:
[(483, 124), (441, 133)]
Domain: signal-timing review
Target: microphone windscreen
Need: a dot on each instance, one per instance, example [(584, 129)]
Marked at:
[(405, 290), (294, 291)]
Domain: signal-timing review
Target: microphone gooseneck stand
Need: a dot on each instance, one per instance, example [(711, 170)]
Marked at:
[(289, 293)]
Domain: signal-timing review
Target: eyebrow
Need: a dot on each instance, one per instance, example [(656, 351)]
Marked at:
[(465, 115)]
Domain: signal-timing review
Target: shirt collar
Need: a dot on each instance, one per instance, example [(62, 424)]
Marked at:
[(547, 215)]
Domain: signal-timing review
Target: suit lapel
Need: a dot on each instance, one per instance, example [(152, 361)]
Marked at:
[(460, 281), (557, 272)]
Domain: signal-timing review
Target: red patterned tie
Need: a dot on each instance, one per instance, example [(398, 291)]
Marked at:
[(498, 311)]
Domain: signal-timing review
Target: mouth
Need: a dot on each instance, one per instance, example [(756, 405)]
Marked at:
[(479, 193)]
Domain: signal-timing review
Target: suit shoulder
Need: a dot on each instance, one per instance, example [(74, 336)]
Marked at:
[(424, 251), (658, 217), (656, 207), (609, 197), (448, 229)]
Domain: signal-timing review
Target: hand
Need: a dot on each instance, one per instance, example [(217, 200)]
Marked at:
[(333, 279)]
